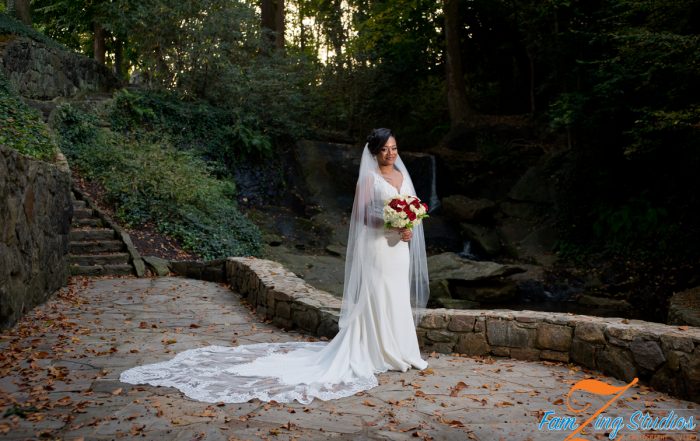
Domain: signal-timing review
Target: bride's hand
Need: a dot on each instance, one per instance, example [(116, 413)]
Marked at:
[(406, 234)]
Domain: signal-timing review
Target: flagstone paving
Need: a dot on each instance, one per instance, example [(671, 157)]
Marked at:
[(60, 379)]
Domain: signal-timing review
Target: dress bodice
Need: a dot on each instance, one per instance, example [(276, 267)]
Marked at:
[(384, 191)]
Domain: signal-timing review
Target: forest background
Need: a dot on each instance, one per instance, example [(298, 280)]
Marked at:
[(615, 83)]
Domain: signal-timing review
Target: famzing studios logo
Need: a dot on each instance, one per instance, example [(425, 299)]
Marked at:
[(640, 425)]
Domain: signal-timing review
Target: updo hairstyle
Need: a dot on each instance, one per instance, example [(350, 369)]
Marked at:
[(377, 138)]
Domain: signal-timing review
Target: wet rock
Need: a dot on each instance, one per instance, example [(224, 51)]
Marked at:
[(451, 266), (456, 303), (604, 302), (494, 292), (485, 238), (684, 308), (440, 289)]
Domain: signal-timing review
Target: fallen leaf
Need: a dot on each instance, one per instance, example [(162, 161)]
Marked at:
[(457, 388)]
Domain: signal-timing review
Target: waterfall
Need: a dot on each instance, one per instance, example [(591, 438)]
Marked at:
[(434, 202), (467, 251)]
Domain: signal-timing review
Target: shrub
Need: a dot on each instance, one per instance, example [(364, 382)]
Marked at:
[(216, 133), (153, 181)]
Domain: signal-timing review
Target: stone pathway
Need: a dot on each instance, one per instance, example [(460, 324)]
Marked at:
[(60, 367)]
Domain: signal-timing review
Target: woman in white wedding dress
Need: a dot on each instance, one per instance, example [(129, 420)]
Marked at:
[(385, 278)]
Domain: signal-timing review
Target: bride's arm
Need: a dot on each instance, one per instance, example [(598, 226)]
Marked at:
[(373, 210)]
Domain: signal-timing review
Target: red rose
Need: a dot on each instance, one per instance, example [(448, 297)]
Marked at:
[(425, 206), (411, 215), (395, 204)]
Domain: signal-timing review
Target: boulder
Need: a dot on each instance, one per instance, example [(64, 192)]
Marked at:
[(449, 266), (604, 302), (684, 308), (448, 303), (485, 238), (161, 267), (464, 209), (492, 292)]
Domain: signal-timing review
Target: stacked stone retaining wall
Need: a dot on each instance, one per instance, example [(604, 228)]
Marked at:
[(41, 72), (35, 217), (666, 357)]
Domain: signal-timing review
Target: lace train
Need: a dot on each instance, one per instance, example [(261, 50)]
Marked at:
[(212, 374), (379, 335)]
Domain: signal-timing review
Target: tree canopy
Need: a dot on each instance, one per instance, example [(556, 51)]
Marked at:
[(614, 81)]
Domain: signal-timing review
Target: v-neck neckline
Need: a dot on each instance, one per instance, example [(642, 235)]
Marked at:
[(398, 190)]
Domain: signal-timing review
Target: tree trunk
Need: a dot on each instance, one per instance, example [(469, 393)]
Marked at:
[(272, 21), (456, 88), (99, 44), (279, 24), (20, 10), (119, 58)]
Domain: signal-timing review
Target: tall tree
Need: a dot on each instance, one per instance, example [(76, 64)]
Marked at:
[(272, 21), (20, 10), (99, 47), (456, 87)]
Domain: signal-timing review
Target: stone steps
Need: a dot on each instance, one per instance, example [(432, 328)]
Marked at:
[(101, 270), (100, 259), (96, 246), (91, 234), (82, 213), (87, 222), (96, 250)]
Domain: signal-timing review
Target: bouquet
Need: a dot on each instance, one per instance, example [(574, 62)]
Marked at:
[(404, 211)]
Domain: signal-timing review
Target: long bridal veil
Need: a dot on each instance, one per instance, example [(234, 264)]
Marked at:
[(302, 371), (366, 222)]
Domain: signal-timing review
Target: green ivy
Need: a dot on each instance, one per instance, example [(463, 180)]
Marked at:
[(153, 181), (11, 26), (22, 128), (216, 133)]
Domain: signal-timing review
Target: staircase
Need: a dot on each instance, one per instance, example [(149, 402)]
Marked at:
[(97, 246)]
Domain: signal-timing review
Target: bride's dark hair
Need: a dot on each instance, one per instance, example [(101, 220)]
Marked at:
[(377, 138)]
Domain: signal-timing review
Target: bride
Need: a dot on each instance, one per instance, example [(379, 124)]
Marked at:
[(385, 276)]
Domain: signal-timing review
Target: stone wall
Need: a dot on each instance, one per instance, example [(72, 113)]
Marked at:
[(280, 296), (41, 72), (666, 357), (35, 216)]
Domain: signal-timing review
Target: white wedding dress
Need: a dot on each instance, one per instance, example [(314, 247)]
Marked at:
[(381, 336)]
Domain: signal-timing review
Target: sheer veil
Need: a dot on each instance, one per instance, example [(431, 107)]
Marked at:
[(301, 370), (366, 225)]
